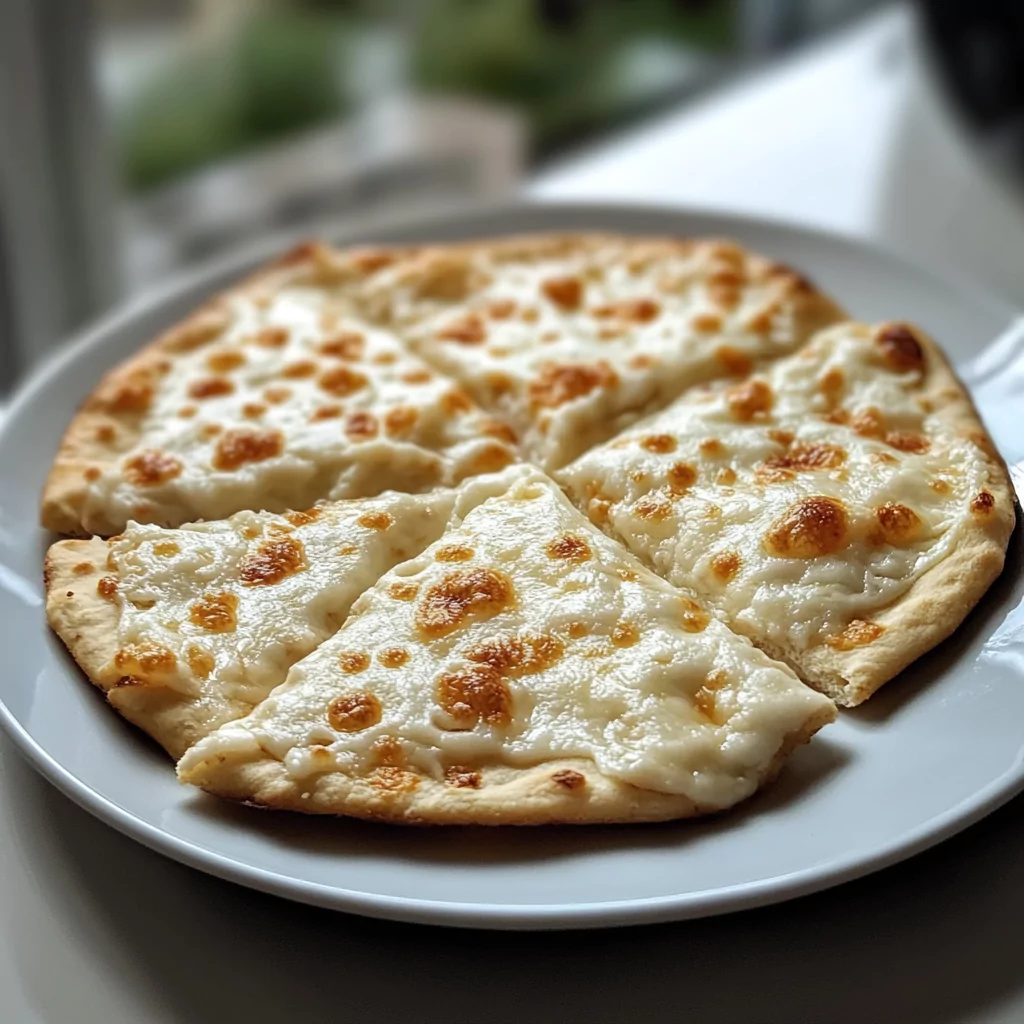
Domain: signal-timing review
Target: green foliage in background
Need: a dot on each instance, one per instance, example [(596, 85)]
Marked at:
[(279, 75)]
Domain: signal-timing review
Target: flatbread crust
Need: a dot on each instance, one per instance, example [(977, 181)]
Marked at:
[(88, 625), (333, 421), (276, 757), (937, 601), (506, 796), (90, 585)]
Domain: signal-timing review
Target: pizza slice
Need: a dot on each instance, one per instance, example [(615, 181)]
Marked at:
[(571, 338), (186, 629), (844, 509), (523, 669), (273, 396)]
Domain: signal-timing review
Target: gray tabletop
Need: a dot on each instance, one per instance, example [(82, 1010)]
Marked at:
[(94, 928)]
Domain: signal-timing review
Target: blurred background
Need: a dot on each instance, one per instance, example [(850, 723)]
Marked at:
[(138, 137)]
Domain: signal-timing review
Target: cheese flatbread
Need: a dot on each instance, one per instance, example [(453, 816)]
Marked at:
[(186, 629), (570, 338), (523, 669), (844, 508), (274, 396)]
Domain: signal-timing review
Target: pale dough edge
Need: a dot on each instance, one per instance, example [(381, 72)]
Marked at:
[(508, 796), (940, 600), (88, 625)]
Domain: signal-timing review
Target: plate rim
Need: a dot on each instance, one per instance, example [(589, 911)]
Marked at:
[(680, 906)]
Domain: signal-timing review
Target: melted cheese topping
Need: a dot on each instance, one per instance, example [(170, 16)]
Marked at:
[(295, 401), (797, 504), (522, 636), (572, 349), (237, 602)]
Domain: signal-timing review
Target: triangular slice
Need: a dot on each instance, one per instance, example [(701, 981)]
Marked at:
[(570, 338), (524, 669), (845, 509), (186, 629), (274, 396)]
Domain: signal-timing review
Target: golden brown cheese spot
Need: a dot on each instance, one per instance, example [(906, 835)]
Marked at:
[(832, 384), (143, 513), (361, 426), (346, 345), (368, 261), (216, 613), (578, 630), (454, 553), (348, 549), (477, 694), (498, 430), (237, 447), (462, 778), (693, 619), (868, 422), (681, 477), (642, 361), (806, 458), (568, 779), (559, 383), (272, 337), (899, 524), (783, 437), (469, 330), (353, 662), (311, 515), (152, 468), (750, 400), (210, 387), (564, 292), (456, 401), (725, 565), (569, 547), (706, 323), (277, 395), (468, 593), (660, 444), (735, 362), (341, 381), (211, 429), (200, 662), (711, 447), (491, 458), (375, 520), (145, 660), (901, 350), (393, 657), (416, 377), (403, 590), (299, 370), (982, 504), (625, 634), (939, 485), (253, 410), (224, 361), (387, 751), (726, 476), (529, 315), (83, 568), (272, 562), (637, 311), (132, 396), (400, 420), (105, 433), (518, 655), (186, 412), (809, 528), (705, 699), (858, 633), (915, 444), (166, 548), (353, 712), (106, 587), (499, 384), (652, 507), (724, 295), (501, 309)]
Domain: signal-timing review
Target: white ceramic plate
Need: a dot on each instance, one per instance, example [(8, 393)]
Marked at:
[(936, 750)]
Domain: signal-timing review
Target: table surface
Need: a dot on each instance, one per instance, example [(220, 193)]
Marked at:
[(95, 928)]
